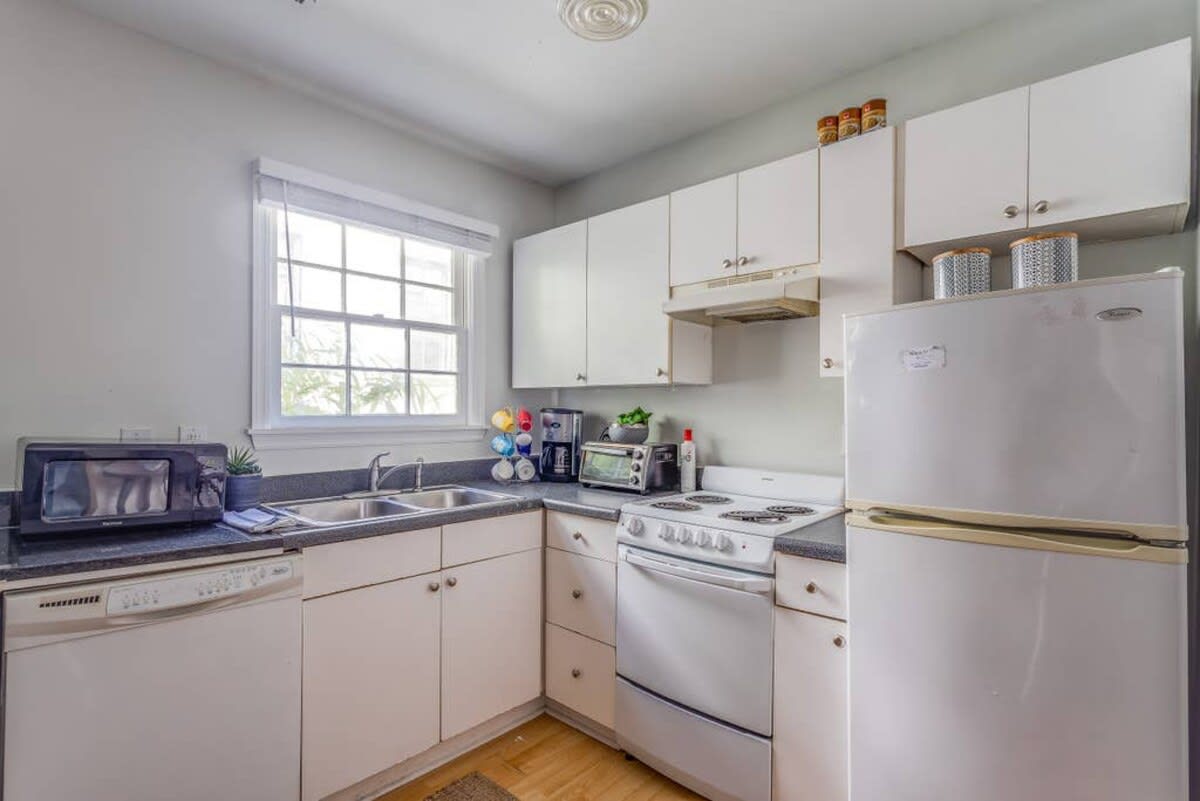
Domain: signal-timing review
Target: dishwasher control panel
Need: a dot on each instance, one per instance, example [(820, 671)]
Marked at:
[(193, 588)]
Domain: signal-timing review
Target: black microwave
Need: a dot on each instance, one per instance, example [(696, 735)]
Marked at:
[(95, 486)]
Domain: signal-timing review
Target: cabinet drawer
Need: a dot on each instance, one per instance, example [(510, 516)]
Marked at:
[(811, 585), (372, 560), (491, 537), (583, 535), (581, 674), (581, 594)]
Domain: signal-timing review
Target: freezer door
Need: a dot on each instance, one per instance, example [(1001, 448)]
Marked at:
[(1056, 407), (999, 673)]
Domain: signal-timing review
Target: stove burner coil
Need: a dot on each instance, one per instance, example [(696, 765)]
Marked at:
[(676, 506), (784, 509), (706, 498), (753, 516)]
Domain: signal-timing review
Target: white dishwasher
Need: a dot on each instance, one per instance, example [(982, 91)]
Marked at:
[(182, 686)]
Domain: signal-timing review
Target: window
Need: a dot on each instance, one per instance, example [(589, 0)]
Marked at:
[(365, 325)]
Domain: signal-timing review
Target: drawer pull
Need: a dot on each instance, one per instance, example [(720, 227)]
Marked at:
[(810, 587), (839, 641), (451, 582), (576, 673), (576, 594), (578, 535), (434, 586)]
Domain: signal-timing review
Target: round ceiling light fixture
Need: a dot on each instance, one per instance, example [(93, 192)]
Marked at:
[(602, 20)]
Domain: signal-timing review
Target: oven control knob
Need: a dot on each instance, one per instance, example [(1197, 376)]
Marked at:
[(635, 526), (704, 538), (724, 543), (666, 532), (685, 535)]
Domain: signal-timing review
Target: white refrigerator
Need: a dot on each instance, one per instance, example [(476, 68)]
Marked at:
[(1017, 546)]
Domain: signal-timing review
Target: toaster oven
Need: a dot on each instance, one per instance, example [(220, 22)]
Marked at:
[(641, 468)]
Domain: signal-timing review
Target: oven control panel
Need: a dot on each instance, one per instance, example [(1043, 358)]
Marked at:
[(702, 543)]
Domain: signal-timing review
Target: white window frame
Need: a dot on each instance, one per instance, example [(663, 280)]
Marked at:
[(269, 428)]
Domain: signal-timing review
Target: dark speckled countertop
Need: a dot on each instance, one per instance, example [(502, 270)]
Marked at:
[(22, 558)]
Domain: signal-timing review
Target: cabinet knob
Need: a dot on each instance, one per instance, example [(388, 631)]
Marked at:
[(827, 362), (577, 594), (742, 261), (1010, 211), (580, 377), (1041, 207), (810, 587), (839, 641), (576, 673), (452, 582), (578, 535), (726, 264), (434, 586), (659, 372)]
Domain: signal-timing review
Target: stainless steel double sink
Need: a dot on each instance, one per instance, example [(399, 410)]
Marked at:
[(361, 507)]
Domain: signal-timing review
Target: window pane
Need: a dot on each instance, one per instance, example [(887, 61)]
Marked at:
[(312, 391), (315, 342), (372, 297), (313, 239), (315, 288), (376, 393), (430, 264), (428, 305), (434, 394), (372, 252), (376, 346), (434, 351)]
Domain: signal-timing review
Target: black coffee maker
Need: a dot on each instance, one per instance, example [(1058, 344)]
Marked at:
[(562, 436)]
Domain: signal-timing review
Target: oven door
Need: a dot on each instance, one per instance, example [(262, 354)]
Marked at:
[(698, 635)]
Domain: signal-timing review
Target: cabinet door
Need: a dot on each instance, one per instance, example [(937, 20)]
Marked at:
[(704, 231), (491, 639), (811, 708), (371, 681), (965, 169), (549, 340), (857, 235), (1111, 138), (628, 336), (777, 214)]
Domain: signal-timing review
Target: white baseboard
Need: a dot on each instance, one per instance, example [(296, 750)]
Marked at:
[(576, 721)]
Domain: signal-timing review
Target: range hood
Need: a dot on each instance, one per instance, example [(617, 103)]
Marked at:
[(779, 295)]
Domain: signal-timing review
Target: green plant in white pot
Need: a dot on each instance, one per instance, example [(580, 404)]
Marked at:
[(632, 427), (243, 482)]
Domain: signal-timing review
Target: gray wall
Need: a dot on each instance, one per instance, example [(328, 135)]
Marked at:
[(768, 408), (125, 220)]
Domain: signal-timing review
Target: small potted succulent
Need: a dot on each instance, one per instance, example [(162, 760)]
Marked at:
[(631, 427), (243, 485)]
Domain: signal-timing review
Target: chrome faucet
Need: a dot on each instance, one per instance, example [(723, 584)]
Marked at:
[(375, 478)]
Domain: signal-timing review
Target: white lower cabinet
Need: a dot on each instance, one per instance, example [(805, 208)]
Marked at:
[(581, 674), (491, 638), (371, 677), (581, 594), (810, 744)]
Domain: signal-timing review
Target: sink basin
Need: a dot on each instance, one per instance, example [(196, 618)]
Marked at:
[(332, 511), (448, 497)]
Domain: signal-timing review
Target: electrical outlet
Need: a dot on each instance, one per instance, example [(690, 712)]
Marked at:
[(136, 434), (192, 434)]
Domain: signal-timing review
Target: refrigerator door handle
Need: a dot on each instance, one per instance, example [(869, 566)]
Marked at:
[(1082, 543)]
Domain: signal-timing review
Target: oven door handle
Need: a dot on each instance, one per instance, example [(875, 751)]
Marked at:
[(760, 585)]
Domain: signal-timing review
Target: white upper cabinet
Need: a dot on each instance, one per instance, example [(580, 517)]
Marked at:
[(1112, 138), (549, 340), (1103, 151), (628, 335), (777, 218), (965, 169), (704, 231)]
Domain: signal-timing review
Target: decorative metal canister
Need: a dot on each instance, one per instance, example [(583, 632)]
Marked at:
[(874, 114), (849, 122), (1041, 259), (827, 130), (967, 271)]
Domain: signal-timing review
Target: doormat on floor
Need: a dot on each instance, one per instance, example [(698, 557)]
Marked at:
[(472, 787)]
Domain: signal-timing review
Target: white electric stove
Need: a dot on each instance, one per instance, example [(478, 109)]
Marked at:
[(695, 632), (735, 517)]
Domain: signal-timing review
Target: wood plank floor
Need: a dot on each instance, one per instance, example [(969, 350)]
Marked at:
[(547, 760)]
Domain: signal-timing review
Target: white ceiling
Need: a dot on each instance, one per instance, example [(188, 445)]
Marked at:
[(505, 81)]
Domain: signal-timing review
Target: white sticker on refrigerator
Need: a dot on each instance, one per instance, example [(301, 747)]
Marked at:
[(932, 357)]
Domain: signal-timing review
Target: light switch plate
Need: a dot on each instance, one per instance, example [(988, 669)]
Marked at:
[(192, 434), (136, 434)]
